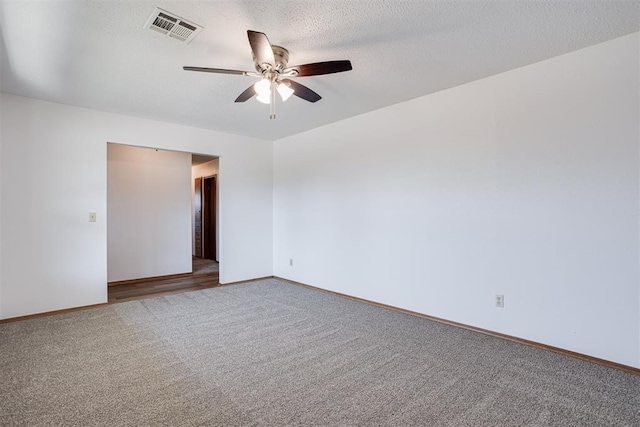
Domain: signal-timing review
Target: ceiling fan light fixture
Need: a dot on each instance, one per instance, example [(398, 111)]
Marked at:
[(263, 87), (265, 98), (285, 91)]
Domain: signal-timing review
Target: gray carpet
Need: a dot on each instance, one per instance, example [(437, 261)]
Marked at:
[(272, 353)]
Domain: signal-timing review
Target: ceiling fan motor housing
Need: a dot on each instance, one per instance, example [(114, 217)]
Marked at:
[(281, 56)]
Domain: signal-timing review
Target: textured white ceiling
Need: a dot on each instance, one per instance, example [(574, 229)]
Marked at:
[(97, 54)]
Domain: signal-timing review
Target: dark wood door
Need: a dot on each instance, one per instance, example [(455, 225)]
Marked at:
[(198, 217), (209, 218)]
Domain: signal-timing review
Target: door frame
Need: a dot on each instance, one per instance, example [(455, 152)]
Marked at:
[(211, 238)]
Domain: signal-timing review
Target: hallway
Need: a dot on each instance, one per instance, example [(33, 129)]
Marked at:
[(205, 275)]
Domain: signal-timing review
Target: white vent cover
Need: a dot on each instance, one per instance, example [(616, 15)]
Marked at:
[(172, 25)]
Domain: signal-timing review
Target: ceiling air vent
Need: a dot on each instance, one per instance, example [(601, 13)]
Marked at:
[(172, 25)]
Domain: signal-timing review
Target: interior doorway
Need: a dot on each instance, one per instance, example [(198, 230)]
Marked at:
[(208, 197), (205, 212), (150, 258), (197, 217)]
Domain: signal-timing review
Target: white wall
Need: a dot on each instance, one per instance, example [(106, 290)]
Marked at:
[(524, 184), (1, 133), (204, 170), (53, 173), (148, 212)]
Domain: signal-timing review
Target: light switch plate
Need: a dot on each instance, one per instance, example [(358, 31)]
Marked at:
[(92, 217)]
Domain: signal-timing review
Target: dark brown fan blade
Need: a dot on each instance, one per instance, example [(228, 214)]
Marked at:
[(319, 68), (261, 48), (216, 70), (302, 91), (247, 94)]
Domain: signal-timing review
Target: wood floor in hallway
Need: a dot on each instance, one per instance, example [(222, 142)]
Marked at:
[(205, 275)]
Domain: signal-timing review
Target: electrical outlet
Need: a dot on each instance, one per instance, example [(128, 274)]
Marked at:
[(291, 262), (500, 301)]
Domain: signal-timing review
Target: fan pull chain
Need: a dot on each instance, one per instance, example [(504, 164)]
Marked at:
[(272, 104)]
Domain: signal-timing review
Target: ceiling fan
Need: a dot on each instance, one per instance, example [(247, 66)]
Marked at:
[(271, 67)]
